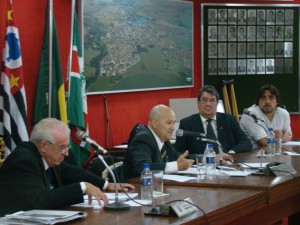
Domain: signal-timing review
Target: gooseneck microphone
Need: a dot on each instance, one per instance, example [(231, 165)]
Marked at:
[(82, 136), (117, 205), (181, 133), (255, 117)]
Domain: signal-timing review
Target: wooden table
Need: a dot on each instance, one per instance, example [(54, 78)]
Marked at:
[(259, 200), (222, 205)]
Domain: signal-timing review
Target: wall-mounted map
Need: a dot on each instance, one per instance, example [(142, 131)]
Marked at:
[(134, 45)]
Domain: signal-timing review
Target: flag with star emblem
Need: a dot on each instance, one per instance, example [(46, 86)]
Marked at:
[(77, 100), (50, 98), (13, 106)]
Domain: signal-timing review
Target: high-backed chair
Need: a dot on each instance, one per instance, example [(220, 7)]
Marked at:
[(115, 164), (230, 108)]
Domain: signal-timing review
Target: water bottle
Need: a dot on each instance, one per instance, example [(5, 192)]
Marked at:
[(210, 156), (146, 182), (271, 142)]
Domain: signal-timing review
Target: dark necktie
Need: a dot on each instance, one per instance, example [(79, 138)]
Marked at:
[(49, 177), (211, 134), (163, 154)]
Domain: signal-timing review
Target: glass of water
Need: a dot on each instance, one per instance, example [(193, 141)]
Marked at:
[(201, 165)]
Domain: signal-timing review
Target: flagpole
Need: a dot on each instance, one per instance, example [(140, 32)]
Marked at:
[(50, 55), (80, 18), (71, 46)]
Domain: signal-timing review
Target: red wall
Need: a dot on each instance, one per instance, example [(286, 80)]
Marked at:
[(124, 109)]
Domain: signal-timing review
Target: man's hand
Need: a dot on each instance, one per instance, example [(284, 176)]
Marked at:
[(126, 187), (183, 163), (93, 191), (226, 157), (278, 133)]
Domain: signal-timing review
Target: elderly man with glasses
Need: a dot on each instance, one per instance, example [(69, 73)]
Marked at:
[(35, 176), (225, 128)]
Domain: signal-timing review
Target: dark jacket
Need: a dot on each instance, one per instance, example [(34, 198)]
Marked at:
[(144, 149), (23, 182), (230, 135)]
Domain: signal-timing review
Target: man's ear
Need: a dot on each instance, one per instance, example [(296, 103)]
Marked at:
[(41, 145), (155, 123)]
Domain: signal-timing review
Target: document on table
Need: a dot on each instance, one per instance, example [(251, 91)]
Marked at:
[(289, 152), (191, 170), (236, 173), (253, 165), (44, 216), (178, 178), (291, 143), (111, 198)]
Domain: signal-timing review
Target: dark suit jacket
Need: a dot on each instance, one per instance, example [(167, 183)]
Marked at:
[(23, 184), (230, 135), (144, 149)]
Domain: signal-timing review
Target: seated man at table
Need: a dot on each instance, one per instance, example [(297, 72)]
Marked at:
[(151, 144), (269, 114), (35, 176), (223, 127)]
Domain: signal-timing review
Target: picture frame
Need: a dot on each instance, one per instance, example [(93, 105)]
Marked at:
[(141, 46), (256, 44)]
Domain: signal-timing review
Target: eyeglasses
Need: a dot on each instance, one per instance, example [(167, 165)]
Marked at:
[(206, 100), (61, 150)]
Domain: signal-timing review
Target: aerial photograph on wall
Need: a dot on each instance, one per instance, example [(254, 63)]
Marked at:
[(134, 45)]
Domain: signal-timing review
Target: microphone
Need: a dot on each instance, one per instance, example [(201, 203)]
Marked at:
[(249, 113), (256, 119), (117, 205), (80, 135), (181, 133)]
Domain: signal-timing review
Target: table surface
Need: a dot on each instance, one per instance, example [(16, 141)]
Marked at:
[(225, 200)]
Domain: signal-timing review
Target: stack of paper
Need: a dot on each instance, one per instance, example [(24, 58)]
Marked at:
[(43, 216)]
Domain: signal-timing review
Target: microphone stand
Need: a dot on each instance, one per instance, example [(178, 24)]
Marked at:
[(116, 205)]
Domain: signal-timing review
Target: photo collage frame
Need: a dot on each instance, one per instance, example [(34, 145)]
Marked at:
[(249, 40)]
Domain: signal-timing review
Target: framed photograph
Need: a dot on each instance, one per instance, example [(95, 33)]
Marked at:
[(249, 41), (144, 45)]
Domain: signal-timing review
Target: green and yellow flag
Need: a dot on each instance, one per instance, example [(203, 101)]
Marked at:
[(50, 98)]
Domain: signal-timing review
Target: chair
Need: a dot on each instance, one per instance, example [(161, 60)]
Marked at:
[(2, 151), (133, 131), (230, 108), (97, 167)]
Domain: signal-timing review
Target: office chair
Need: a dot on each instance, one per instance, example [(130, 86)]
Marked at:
[(230, 108), (133, 131), (2, 151), (115, 164)]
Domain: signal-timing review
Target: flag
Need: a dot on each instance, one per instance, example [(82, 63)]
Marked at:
[(13, 106), (50, 98), (77, 99)]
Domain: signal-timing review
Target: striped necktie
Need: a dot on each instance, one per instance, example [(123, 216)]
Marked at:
[(163, 154)]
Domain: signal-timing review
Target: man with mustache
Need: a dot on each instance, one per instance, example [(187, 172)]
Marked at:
[(267, 109)]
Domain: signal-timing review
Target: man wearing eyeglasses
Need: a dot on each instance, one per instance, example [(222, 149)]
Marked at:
[(35, 176), (225, 127)]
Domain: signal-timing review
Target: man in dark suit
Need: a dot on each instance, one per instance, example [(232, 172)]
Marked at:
[(35, 176), (151, 144), (226, 128)]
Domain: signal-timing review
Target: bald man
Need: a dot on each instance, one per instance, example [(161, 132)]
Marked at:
[(151, 144)]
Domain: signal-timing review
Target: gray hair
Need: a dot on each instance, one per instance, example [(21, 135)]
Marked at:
[(45, 130)]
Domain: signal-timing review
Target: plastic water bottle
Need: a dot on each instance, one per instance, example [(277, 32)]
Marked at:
[(271, 142), (210, 156), (146, 182)]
